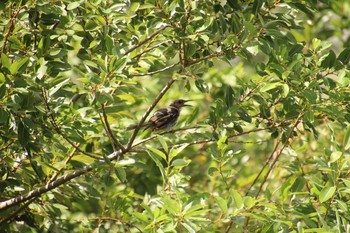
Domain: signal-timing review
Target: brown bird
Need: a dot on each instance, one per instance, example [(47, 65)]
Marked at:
[(164, 118)]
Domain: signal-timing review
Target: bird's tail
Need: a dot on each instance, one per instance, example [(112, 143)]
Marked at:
[(145, 125)]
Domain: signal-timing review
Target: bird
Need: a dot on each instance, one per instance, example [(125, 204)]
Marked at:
[(164, 118)]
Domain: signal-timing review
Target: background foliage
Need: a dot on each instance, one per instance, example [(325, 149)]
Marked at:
[(264, 147)]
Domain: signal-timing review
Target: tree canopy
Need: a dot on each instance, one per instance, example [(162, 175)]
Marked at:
[(264, 146)]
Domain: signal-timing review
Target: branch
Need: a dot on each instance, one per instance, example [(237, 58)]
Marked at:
[(149, 49), (109, 131), (145, 40), (43, 189), (157, 71)]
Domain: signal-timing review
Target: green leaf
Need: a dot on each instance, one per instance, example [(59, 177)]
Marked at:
[(297, 48), (171, 205), (23, 134), (73, 5), (237, 198), (121, 174), (175, 151), (346, 139), (2, 90), (6, 64), (179, 163), (158, 163), (257, 5), (190, 50), (158, 152), (330, 60), (118, 65), (229, 96), (244, 115), (164, 145), (335, 156), (19, 65), (134, 6), (315, 43), (344, 56), (327, 193), (201, 85), (222, 203), (212, 171)]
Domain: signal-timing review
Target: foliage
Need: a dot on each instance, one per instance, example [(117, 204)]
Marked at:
[(264, 147)]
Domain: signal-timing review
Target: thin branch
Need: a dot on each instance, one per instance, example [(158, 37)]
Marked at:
[(149, 49), (16, 212), (43, 189), (279, 152), (149, 110), (145, 40), (157, 71), (11, 26), (109, 131), (58, 130), (69, 157)]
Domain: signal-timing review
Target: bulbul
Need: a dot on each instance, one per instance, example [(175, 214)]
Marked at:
[(164, 118)]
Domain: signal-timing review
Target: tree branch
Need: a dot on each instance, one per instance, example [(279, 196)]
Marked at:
[(157, 71), (109, 131), (145, 40)]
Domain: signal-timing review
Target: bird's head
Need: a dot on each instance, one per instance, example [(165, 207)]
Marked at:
[(179, 103)]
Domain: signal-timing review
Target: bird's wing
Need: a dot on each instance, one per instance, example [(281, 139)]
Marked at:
[(164, 116)]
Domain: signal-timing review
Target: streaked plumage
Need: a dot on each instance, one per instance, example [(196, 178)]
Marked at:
[(164, 118)]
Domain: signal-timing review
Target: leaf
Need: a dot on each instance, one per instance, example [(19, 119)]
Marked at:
[(257, 5), (134, 6), (73, 5), (344, 56), (327, 193), (229, 96), (172, 206), (222, 203), (5, 64), (238, 201), (158, 152), (191, 49), (346, 139), (19, 65), (118, 65), (330, 60), (158, 163), (179, 163), (297, 48), (58, 86), (121, 174), (23, 134), (244, 115), (176, 150), (2, 90), (335, 156), (270, 86)]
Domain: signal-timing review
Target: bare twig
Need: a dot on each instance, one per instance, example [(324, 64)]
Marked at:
[(69, 157), (157, 71), (109, 131), (146, 40), (149, 49)]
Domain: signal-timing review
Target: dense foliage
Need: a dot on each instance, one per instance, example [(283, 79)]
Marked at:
[(263, 148)]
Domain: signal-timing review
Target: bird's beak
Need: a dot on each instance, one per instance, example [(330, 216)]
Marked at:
[(186, 102)]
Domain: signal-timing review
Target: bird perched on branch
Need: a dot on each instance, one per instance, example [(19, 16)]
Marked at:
[(164, 118)]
